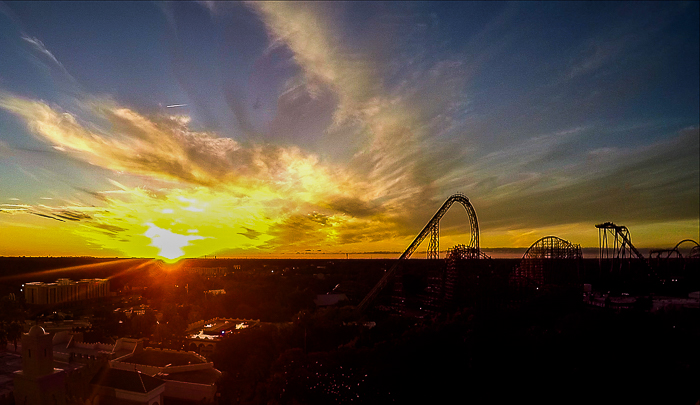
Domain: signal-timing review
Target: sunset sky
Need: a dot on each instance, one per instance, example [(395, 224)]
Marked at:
[(239, 129)]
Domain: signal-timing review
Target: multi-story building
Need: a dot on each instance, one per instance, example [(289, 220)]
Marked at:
[(58, 369), (65, 290)]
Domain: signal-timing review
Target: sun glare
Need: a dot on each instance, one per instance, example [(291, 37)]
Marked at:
[(170, 244)]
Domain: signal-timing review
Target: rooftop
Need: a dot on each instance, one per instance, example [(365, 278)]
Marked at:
[(133, 381), (11, 361), (218, 327), (206, 376), (160, 358)]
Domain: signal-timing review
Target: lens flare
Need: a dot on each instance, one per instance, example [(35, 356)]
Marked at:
[(169, 243), (176, 223)]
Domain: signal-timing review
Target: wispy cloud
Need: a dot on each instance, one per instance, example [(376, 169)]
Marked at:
[(38, 46), (41, 48), (404, 122), (596, 55), (650, 183), (208, 173), (397, 125)]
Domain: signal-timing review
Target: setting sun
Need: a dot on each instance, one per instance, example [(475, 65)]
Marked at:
[(321, 138)]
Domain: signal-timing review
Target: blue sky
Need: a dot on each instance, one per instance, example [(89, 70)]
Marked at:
[(344, 125)]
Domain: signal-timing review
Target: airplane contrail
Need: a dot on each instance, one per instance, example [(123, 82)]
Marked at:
[(175, 105)]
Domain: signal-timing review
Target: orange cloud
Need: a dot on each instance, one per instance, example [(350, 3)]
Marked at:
[(220, 192)]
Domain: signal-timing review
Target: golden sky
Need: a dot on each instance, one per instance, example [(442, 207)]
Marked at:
[(276, 128)]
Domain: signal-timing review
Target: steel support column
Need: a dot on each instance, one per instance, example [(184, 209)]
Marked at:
[(434, 245)]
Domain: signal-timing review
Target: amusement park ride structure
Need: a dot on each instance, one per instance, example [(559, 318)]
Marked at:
[(542, 261), (432, 228), (541, 264), (621, 248), (675, 252)]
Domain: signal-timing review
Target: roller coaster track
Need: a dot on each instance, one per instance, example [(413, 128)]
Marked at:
[(623, 234), (553, 247), (532, 268), (622, 248), (657, 253), (432, 228)]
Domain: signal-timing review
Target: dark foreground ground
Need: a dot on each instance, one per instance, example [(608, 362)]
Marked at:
[(549, 348), (543, 352)]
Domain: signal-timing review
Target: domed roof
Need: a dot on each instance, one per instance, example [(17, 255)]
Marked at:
[(37, 330)]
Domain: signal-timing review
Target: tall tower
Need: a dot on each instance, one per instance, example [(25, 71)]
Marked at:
[(39, 382)]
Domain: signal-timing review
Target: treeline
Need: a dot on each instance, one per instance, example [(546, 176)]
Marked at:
[(540, 352)]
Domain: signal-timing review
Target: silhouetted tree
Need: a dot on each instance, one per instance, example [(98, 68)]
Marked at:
[(143, 325)]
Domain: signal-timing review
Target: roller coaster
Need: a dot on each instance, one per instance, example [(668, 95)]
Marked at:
[(675, 252), (432, 229), (676, 266), (615, 244), (542, 264), (549, 261)]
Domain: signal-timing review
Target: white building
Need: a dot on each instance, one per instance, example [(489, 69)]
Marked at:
[(123, 373), (65, 290)]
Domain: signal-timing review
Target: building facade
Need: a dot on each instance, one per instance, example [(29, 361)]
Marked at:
[(65, 290), (39, 382)]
